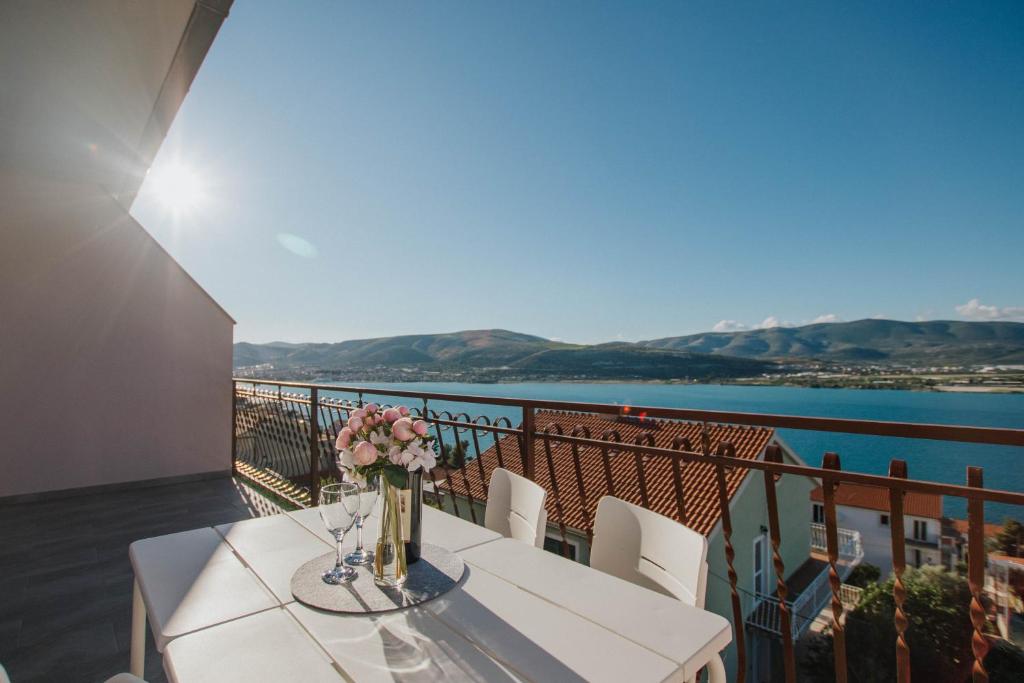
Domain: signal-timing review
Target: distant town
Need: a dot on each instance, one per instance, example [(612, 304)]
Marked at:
[(984, 379), (979, 379)]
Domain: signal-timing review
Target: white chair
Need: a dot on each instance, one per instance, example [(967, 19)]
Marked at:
[(655, 552), (650, 550), (515, 508)]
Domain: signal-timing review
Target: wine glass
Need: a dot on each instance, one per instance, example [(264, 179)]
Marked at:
[(339, 504), (368, 493)]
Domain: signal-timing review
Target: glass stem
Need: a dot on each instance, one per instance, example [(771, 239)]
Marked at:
[(337, 557), (359, 534)]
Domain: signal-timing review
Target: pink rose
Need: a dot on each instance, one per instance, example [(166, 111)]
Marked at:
[(420, 427), (391, 415), (360, 413), (404, 411), (402, 429), (372, 408), (364, 454), (355, 423), (344, 439), (368, 421)]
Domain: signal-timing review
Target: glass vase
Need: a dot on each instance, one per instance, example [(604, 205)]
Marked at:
[(389, 566)]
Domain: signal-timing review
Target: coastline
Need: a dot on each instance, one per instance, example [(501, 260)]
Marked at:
[(922, 384)]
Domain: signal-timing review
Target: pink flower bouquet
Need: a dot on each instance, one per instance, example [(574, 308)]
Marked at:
[(387, 442)]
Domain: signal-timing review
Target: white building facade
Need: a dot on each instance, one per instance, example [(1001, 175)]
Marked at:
[(866, 509)]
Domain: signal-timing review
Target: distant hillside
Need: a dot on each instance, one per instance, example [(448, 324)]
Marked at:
[(500, 355), (628, 361), (937, 341), (496, 354), (476, 347)]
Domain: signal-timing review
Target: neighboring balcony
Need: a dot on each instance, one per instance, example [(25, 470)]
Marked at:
[(849, 544), (811, 597)]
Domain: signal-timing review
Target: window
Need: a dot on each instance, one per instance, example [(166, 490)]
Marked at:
[(883, 520), (760, 581), (818, 511), (920, 530), (554, 545)]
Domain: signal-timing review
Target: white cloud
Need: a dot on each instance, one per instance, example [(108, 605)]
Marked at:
[(771, 321), (729, 326), (975, 310)]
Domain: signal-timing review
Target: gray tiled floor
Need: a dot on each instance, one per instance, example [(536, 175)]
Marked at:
[(66, 582)]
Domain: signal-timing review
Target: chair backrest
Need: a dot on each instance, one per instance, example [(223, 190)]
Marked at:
[(650, 550), (515, 507)]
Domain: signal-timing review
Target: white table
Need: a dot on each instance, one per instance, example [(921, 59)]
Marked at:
[(220, 607)]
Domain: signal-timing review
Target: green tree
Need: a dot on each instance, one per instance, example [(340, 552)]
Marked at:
[(1010, 539), (454, 456), (1005, 662), (863, 575), (939, 634)]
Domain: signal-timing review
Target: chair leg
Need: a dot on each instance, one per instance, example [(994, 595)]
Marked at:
[(138, 647), (716, 670)]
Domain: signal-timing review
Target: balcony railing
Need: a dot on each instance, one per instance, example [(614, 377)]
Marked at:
[(287, 434), (805, 609), (850, 547)]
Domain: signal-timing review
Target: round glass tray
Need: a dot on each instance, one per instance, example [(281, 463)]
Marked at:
[(437, 572)]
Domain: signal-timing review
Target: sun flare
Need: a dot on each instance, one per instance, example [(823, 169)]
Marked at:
[(178, 188)]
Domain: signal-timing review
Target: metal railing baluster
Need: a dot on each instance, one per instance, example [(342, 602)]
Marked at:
[(556, 428), (529, 457), (831, 462), (898, 470), (976, 576), (726, 450), (774, 454), (314, 446)]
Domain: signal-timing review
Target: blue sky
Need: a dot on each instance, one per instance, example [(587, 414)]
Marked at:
[(599, 171)]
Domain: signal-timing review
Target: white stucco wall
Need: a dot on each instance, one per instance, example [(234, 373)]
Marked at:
[(876, 538), (115, 366)]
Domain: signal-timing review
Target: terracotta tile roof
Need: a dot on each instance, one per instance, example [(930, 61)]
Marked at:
[(961, 526), (874, 498), (700, 489), (1006, 558)]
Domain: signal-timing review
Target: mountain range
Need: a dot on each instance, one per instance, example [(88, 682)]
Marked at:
[(870, 340), (498, 354)]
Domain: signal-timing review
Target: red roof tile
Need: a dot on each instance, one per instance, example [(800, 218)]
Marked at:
[(874, 498), (962, 526), (700, 489)]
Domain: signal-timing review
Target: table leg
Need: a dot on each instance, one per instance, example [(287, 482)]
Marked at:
[(716, 670), (138, 647)]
